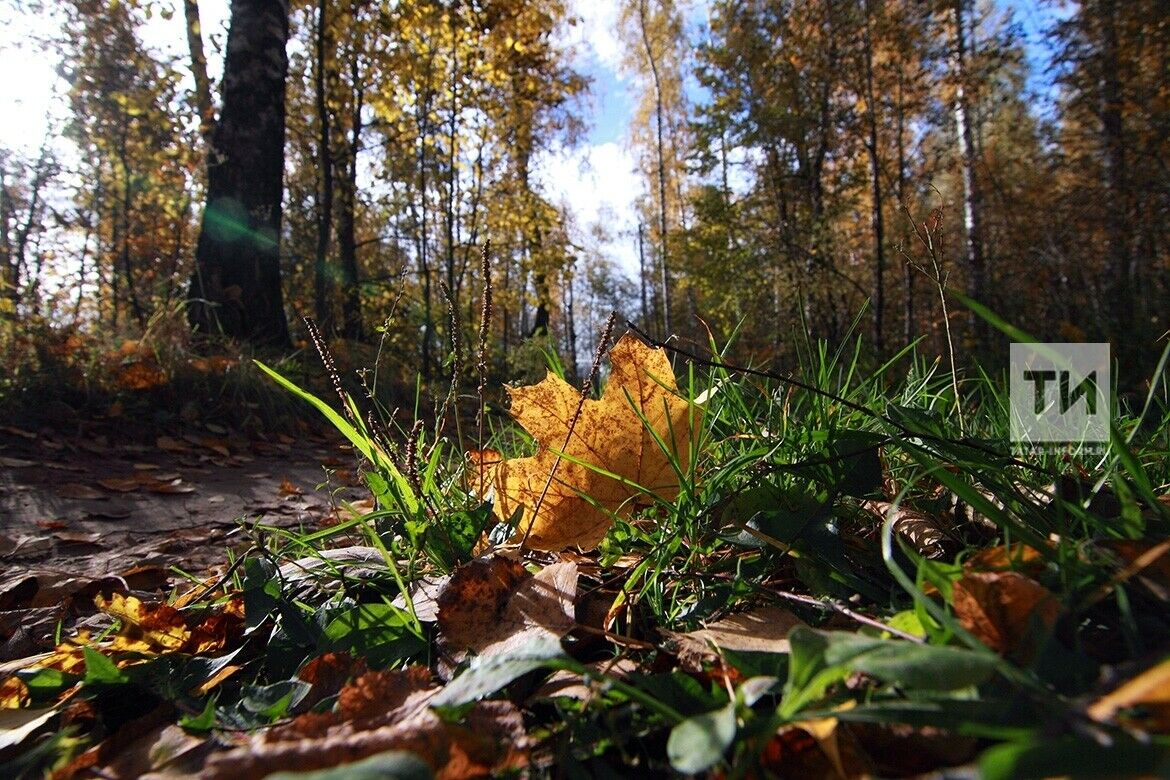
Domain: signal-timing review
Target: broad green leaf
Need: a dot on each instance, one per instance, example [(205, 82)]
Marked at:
[(698, 743), (100, 670), (1072, 757), (391, 765), (489, 673), (382, 634), (44, 684), (203, 722), (274, 701), (925, 666)]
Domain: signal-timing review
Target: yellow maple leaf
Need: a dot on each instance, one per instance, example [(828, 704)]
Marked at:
[(617, 435)]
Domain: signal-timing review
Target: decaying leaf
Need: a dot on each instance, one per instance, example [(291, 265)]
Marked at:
[(489, 603), (609, 435), (930, 537), (1003, 609), (473, 600), (1148, 562), (763, 630), (13, 694), (1143, 702), (382, 711)]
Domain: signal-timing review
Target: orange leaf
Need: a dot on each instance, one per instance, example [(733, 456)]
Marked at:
[(13, 694), (579, 503), (145, 628), (1002, 609), (1146, 697)]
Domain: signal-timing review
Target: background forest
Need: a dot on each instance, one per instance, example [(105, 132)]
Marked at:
[(803, 164)]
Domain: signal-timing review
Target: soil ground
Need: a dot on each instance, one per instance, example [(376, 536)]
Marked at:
[(91, 506)]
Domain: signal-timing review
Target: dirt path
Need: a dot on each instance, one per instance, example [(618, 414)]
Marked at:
[(107, 507)]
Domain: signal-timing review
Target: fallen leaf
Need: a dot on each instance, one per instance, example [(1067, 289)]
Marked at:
[(474, 599), (77, 491), (145, 628), (16, 463), (383, 711), (929, 537), (1017, 557), (1002, 609), (168, 444), (13, 694), (288, 488), (570, 685), (827, 735), (1148, 561), (1143, 702), (577, 503), (169, 488), (120, 484), (763, 630), (78, 537)]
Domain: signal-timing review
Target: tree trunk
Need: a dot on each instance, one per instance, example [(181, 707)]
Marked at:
[(877, 224), (1118, 228), (236, 287), (907, 268), (199, 70), (321, 284), (972, 196), (659, 112), (353, 327)]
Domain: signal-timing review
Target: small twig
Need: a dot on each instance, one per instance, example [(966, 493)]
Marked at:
[(926, 235), (829, 604), (227, 575)]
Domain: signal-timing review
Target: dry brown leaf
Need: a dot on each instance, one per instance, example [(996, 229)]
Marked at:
[(570, 685), (168, 444), (76, 490), (1148, 561), (13, 694), (1143, 702), (289, 488), (175, 487), (382, 711), (1002, 609), (825, 732), (579, 504), (120, 484), (145, 628), (1013, 557), (474, 599), (929, 536), (503, 604), (543, 605), (16, 463), (763, 630)]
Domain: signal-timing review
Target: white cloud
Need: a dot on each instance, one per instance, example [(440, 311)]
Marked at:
[(596, 32), (597, 183)]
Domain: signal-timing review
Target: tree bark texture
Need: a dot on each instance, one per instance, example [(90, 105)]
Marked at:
[(236, 288)]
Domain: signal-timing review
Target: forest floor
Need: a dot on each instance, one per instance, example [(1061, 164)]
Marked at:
[(90, 500)]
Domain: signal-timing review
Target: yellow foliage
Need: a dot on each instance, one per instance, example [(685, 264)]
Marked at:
[(611, 455)]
